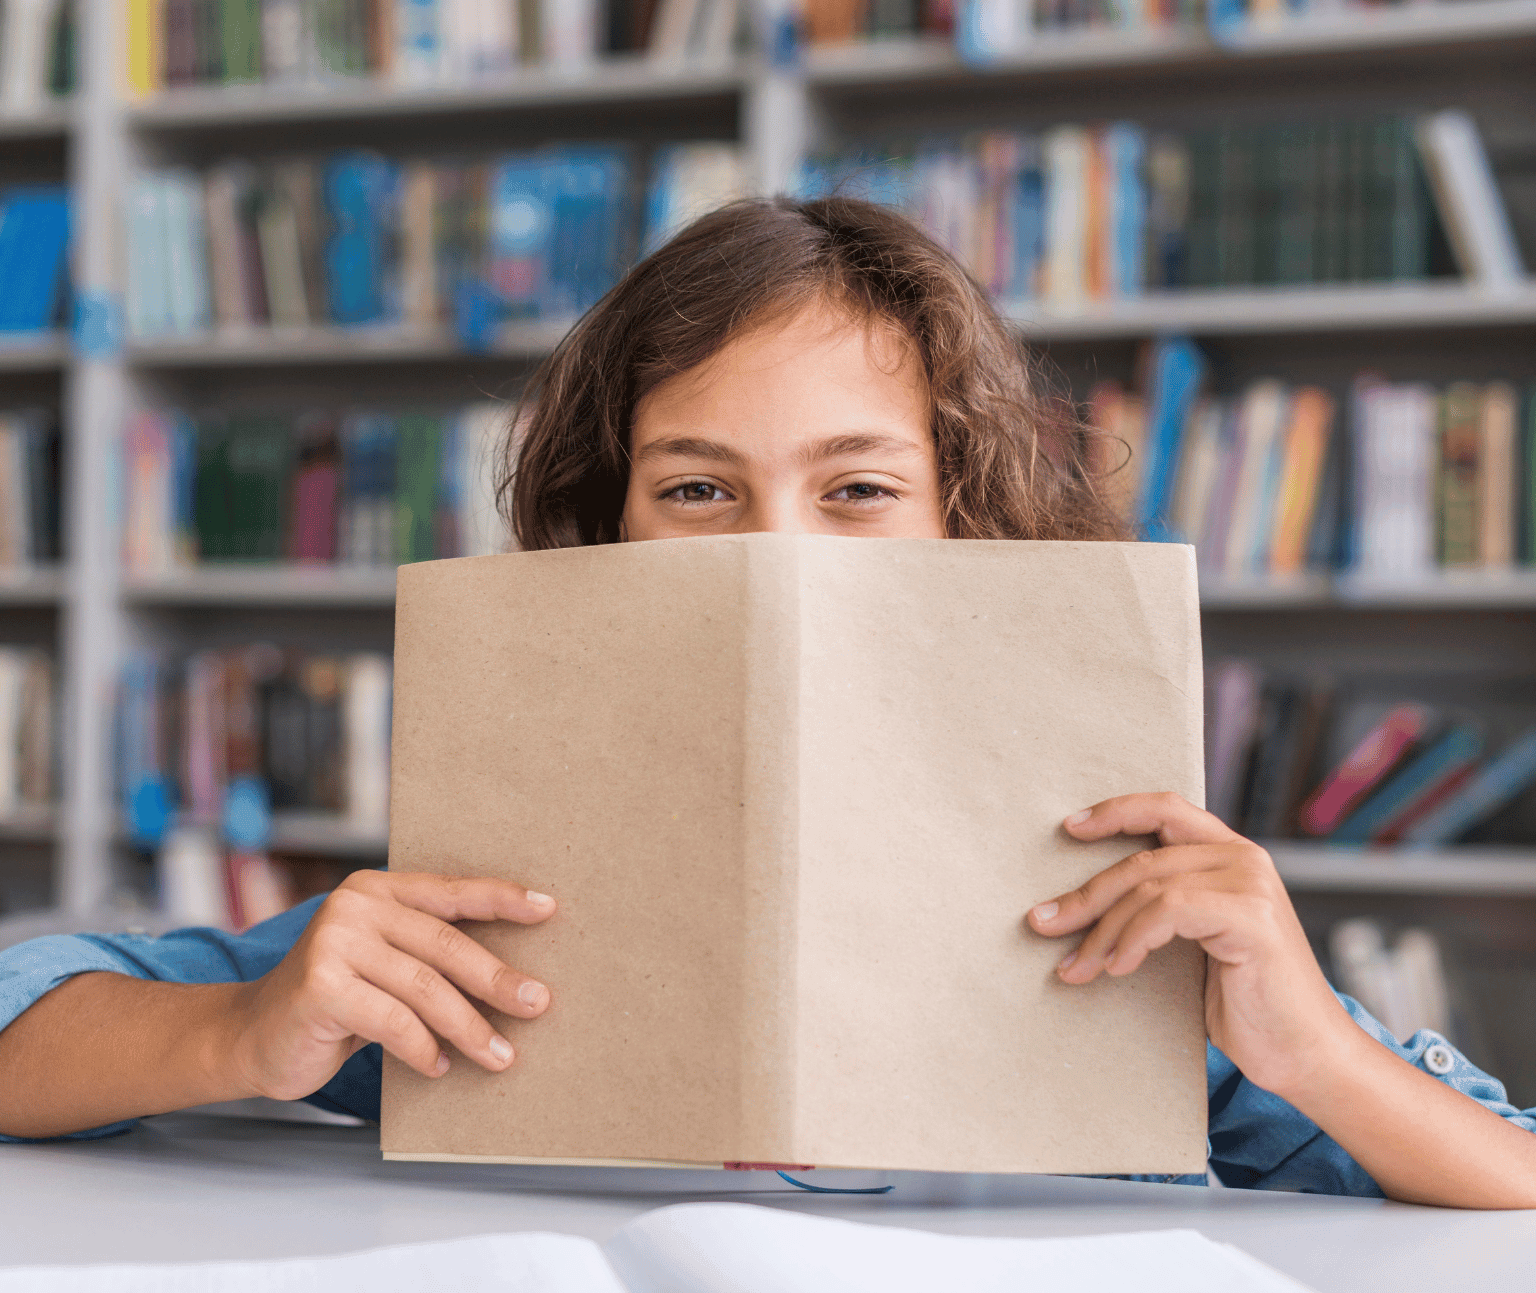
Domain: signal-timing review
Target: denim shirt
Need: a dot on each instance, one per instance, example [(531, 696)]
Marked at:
[(1257, 1140)]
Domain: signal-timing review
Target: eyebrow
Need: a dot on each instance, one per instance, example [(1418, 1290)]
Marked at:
[(838, 446)]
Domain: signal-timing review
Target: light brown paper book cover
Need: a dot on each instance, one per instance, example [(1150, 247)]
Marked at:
[(795, 796)]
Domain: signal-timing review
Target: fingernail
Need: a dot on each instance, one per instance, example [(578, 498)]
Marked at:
[(441, 1066), (1047, 911), (539, 899), (533, 995), (1077, 819), (1066, 962), (501, 1048)]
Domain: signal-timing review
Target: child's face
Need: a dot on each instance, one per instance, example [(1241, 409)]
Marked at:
[(813, 424)]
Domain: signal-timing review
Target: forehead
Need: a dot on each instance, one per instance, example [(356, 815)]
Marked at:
[(805, 372)]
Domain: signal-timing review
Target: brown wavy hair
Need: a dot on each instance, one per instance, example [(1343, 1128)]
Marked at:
[(1014, 461)]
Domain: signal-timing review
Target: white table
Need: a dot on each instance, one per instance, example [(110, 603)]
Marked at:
[(197, 1187)]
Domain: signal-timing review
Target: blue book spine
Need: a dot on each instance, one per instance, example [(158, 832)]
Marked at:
[(182, 437), (1489, 790), (34, 243), (360, 191), (1127, 150), (1457, 749), (589, 187), (521, 228), (1178, 368), (1028, 222)]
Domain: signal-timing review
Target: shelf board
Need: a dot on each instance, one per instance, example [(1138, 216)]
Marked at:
[(263, 585), (1215, 311), (1228, 311), (31, 824), (1446, 590), (22, 352), (328, 835), (615, 81), (32, 586), (869, 64), (1312, 588), (391, 343), (49, 121), (1505, 872)]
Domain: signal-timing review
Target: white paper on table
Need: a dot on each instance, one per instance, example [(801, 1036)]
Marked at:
[(713, 1248)]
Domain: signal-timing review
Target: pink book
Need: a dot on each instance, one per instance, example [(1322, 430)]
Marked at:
[(1381, 750), (312, 536)]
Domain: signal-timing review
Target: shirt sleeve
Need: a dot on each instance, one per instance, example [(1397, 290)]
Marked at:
[(31, 969), (1261, 1142)]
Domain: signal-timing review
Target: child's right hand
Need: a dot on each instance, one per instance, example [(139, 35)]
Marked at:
[(381, 962)]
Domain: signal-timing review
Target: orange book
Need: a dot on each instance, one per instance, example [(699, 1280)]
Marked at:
[(828, 22), (1496, 479), (1306, 449), (1121, 420), (1096, 249)]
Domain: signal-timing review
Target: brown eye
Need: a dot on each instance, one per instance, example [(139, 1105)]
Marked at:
[(696, 491)]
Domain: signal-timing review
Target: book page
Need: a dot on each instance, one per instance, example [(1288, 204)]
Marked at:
[(742, 1248), (958, 700)]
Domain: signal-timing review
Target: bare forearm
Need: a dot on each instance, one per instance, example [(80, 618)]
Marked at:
[(1420, 1140), (104, 1047)]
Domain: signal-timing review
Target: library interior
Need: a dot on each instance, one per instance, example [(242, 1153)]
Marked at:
[(273, 273)]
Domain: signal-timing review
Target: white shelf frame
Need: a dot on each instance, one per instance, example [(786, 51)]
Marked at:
[(1463, 870), (103, 135)]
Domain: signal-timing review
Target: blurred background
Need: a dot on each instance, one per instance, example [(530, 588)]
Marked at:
[(271, 269)]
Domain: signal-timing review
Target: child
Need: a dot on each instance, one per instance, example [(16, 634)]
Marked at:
[(813, 368)]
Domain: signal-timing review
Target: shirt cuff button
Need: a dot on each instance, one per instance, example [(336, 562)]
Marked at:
[(1439, 1059)]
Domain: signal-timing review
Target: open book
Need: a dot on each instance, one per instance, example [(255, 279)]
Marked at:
[(795, 796), (715, 1248)]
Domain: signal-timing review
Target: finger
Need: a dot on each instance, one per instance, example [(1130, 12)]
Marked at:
[(459, 897), (1172, 818), (1207, 915), (1069, 912), (375, 1016), (1084, 963), (455, 954), (437, 1004)]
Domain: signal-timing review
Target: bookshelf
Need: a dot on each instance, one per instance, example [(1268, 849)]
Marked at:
[(1344, 33), (1474, 52)]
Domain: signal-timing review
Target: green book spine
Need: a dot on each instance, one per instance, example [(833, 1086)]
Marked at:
[(1410, 206), (1296, 204), (1268, 159), (210, 499), (416, 487), (1458, 476), (1528, 480), (240, 28), (1356, 198), (1328, 258), (1203, 263), (1234, 220), (260, 462)]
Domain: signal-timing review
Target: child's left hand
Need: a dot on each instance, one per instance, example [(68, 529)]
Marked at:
[(1267, 1005)]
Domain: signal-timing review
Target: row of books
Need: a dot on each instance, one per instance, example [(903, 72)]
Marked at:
[(1344, 760), (30, 489), (34, 246), (353, 487), (408, 42), (211, 745), (28, 717), (995, 28), (1402, 981), (1391, 480), (357, 238), (1083, 213), (37, 54)]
